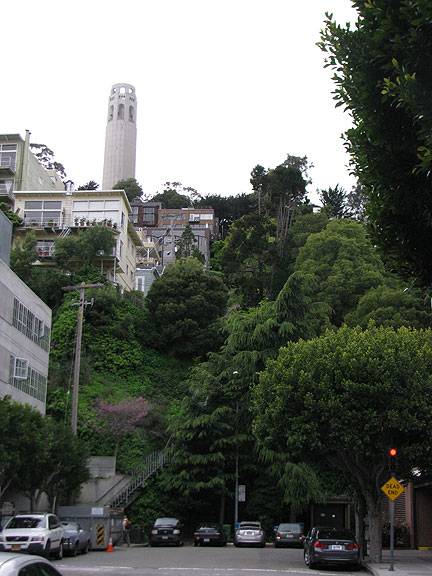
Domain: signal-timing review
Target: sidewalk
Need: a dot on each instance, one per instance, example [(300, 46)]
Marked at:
[(406, 563)]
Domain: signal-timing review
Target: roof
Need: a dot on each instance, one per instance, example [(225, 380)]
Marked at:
[(10, 138)]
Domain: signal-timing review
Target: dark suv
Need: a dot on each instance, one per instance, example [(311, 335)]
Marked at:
[(166, 532)]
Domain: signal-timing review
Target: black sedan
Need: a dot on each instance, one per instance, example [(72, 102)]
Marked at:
[(166, 532), (327, 545), (209, 534)]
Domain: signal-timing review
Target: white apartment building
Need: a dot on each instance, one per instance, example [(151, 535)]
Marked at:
[(25, 325), (54, 214)]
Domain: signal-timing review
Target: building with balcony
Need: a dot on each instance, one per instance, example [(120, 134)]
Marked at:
[(54, 214), (21, 170), (25, 325), (171, 224)]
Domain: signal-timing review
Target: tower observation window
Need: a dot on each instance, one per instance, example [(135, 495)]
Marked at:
[(120, 113), (131, 114)]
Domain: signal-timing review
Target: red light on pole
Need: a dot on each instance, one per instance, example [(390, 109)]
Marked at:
[(392, 452)]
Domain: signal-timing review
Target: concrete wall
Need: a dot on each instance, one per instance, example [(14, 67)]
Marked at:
[(15, 343), (5, 238)]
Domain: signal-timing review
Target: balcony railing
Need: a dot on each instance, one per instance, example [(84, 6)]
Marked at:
[(7, 163), (62, 222)]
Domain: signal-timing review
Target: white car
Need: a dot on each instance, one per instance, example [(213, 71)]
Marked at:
[(40, 534), (17, 565)]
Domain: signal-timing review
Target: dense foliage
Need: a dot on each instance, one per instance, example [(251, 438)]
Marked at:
[(383, 74), (343, 399)]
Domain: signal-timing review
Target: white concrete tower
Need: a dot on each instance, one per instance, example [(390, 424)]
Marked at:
[(120, 139)]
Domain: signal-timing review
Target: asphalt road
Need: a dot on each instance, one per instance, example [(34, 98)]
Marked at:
[(190, 561)]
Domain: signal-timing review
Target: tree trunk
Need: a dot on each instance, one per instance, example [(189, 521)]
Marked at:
[(374, 506), (222, 508), (360, 513)]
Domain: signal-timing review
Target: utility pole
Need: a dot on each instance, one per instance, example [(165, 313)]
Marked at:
[(77, 362)]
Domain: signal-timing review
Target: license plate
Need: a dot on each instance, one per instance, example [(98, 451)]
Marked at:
[(206, 539), (290, 535), (164, 537), (337, 547), (16, 547)]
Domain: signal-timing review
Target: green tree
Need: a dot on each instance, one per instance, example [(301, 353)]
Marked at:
[(343, 399), (90, 185), (382, 72), (45, 157), (132, 188), (80, 251), (187, 245), (10, 214), (344, 264), (228, 209), (334, 201), (184, 305), (175, 195), (392, 306), (23, 256), (248, 257)]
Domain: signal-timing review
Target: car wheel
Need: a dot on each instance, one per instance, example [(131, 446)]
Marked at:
[(308, 561), (59, 554), (86, 548), (47, 552)]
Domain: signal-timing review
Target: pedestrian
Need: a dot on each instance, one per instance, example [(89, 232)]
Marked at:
[(126, 526)]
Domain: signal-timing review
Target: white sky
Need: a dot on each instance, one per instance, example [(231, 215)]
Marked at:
[(222, 85)]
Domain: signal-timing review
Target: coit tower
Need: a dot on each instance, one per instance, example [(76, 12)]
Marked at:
[(120, 139)]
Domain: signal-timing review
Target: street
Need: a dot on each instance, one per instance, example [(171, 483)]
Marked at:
[(137, 561)]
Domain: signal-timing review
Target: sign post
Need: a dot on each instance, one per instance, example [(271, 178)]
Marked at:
[(392, 489)]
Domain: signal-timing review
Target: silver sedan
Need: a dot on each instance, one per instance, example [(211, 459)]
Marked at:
[(249, 534), (19, 564)]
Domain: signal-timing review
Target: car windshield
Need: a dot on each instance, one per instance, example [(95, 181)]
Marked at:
[(290, 527), (25, 522), (208, 526), (166, 522), (250, 525), (335, 535), (70, 526)]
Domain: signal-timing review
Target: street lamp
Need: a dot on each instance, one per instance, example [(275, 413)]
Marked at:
[(236, 467)]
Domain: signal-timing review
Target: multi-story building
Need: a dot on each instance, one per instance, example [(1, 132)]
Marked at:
[(52, 214), (171, 224), (25, 325), (21, 170)]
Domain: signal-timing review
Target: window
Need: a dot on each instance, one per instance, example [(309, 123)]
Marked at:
[(8, 156), (131, 114), (20, 368), (120, 112), (25, 378), (42, 213), (120, 248), (111, 113), (140, 283), (194, 217), (30, 325), (6, 186)]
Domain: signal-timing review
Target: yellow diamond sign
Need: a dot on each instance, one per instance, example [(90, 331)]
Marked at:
[(392, 488)]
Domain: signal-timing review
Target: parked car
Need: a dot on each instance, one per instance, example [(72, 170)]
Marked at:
[(249, 534), (327, 545), (165, 532), (75, 539), (209, 534), (33, 534), (17, 564), (289, 534)]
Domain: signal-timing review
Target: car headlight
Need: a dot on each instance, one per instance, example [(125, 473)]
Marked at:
[(37, 539), (1, 538), (154, 531), (176, 531)]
